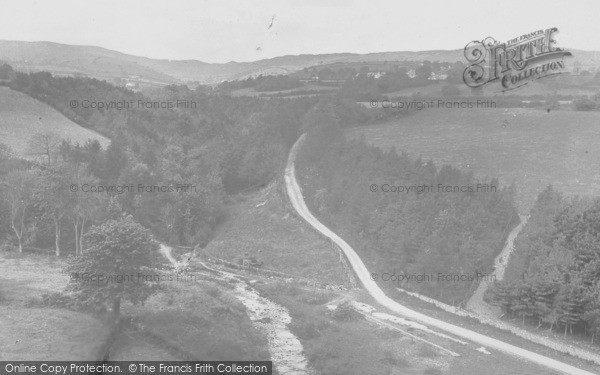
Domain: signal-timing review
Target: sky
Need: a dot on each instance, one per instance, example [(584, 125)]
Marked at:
[(248, 30)]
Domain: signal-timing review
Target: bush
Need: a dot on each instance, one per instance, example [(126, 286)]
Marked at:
[(584, 105), (6, 247), (213, 291), (307, 326), (318, 298), (345, 312), (56, 299)]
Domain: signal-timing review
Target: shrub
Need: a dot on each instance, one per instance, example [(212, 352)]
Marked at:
[(317, 298), (345, 312), (584, 105), (307, 326), (55, 299), (213, 291)]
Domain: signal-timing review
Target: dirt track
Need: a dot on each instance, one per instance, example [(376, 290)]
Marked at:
[(476, 303)]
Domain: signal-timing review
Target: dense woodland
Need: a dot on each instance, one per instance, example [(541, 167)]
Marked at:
[(428, 233), (553, 276), (223, 147)]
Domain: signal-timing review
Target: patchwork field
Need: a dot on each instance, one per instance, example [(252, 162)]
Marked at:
[(21, 117), (531, 147)]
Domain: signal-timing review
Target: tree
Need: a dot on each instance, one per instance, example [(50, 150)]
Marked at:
[(83, 206), (6, 72), (119, 254), (18, 188), (53, 197), (424, 71), (584, 104), (44, 144)]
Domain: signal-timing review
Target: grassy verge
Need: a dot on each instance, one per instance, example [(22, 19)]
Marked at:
[(263, 226)]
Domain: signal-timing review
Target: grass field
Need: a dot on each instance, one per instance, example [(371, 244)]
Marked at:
[(21, 117), (532, 147), (35, 334), (546, 87), (307, 87), (200, 320), (197, 319)]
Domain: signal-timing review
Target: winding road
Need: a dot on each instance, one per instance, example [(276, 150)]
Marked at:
[(296, 198)]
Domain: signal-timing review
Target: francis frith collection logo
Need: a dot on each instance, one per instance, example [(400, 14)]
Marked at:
[(516, 62)]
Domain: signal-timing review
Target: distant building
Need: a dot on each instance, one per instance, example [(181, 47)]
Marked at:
[(438, 76), (375, 75)]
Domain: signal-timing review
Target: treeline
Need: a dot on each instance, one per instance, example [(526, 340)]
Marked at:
[(261, 84), (244, 131), (217, 147), (553, 276), (404, 233)]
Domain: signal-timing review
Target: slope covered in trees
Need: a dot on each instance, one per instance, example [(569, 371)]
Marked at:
[(216, 147), (553, 277), (428, 233)]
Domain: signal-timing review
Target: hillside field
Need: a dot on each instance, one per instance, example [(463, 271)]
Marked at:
[(532, 147), (35, 333), (22, 116)]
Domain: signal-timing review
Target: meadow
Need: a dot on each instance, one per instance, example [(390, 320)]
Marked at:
[(22, 117), (532, 147), (31, 332), (184, 320)]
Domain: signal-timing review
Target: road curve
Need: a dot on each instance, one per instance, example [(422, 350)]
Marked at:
[(295, 195)]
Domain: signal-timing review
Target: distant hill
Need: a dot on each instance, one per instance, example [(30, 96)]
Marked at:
[(22, 117), (102, 63)]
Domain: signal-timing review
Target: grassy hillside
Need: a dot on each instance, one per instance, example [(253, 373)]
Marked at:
[(63, 59), (201, 320), (263, 227), (21, 117), (532, 147), (33, 333)]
